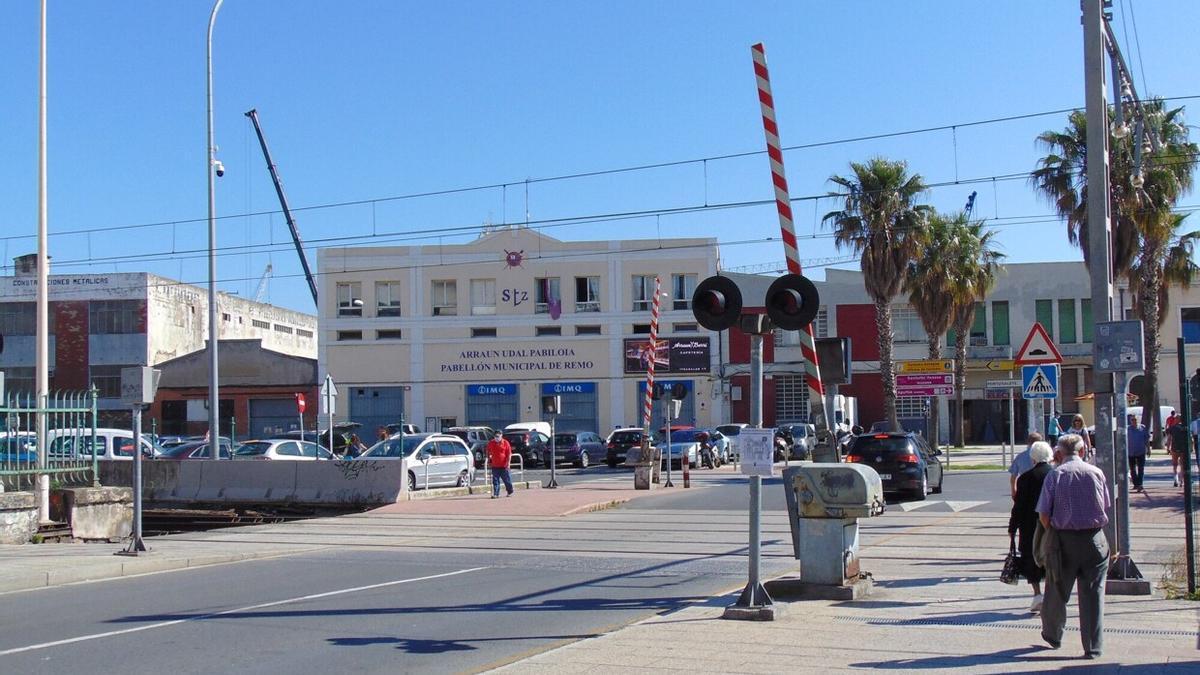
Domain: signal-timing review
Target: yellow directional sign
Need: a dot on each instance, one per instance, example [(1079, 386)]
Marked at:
[(1000, 365), (993, 365), (926, 366)]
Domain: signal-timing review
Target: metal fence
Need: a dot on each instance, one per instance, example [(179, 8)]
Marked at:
[(70, 448)]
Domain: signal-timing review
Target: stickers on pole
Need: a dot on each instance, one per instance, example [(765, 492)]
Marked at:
[(758, 452)]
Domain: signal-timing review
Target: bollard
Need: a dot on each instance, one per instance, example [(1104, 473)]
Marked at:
[(687, 475)]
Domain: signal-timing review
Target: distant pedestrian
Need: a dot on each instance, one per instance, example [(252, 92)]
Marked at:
[(1071, 509), (1177, 446), (1137, 440), (381, 433), (1053, 430), (1022, 462), (499, 454), (1078, 429), (1024, 517), (1172, 418), (355, 447)]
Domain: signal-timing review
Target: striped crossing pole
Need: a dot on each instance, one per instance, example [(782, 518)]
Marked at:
[(783, 204), (648, 409)]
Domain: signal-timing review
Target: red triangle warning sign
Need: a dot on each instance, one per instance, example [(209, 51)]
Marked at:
[(1037, 348)]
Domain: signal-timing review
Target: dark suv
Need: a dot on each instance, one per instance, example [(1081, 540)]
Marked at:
[(619, 443), (903, 460), (532, 446)]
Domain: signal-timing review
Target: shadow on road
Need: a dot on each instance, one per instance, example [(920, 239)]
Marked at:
[(1030, 655)]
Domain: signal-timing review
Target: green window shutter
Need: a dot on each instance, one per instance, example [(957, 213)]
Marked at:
[(950, 339), (979, 327), (1045, 315), (1066, 321), (1000, 323), (1085, 315)]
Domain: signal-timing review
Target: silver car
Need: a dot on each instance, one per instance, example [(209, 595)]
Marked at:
[(433, 459), (281, 449)]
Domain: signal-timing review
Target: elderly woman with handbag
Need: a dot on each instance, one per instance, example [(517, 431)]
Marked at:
[(1024, 518)]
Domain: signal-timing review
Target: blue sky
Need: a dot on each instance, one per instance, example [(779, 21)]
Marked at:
[(366, 101)]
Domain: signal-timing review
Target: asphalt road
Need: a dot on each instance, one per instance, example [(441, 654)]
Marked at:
[(453, 601)]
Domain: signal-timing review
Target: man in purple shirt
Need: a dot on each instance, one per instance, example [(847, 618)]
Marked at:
[(1072, 509)]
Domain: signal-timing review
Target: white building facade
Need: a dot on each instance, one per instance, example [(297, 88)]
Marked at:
[(476, 333)]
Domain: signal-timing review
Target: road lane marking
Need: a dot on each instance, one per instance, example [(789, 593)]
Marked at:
[(913, 506), (963, 506), (264, 605)]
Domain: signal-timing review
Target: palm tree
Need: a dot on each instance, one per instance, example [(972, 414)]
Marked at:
[(1165, 260), (973, 264), (1140, 207), (881, 222), (928, 285)]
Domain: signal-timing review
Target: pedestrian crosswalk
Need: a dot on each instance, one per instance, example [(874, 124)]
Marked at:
[(936, 505)]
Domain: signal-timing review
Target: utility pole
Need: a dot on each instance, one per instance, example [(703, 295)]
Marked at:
[(1099, 228), (42, 367)]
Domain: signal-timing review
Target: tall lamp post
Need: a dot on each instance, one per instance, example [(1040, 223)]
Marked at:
[(214, 428), (42, 349)]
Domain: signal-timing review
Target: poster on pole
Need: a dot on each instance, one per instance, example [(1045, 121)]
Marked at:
[(757, 448)]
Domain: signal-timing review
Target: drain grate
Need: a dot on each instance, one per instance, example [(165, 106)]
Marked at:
[(966, 621)]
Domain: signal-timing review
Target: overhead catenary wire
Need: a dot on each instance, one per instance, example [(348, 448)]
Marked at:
[(503, 186)]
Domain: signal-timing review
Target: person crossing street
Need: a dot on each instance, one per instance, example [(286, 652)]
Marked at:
[(499, 454)]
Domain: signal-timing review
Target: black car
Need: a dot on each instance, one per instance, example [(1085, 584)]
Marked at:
[(619, 443), (580, 448), (903, 460), (532, 446)]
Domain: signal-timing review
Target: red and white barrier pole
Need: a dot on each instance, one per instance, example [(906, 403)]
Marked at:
[(783, 204), (648, 409)]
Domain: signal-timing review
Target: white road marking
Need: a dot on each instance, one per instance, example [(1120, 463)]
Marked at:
[(963, 506), (913, 506), (275, 603)]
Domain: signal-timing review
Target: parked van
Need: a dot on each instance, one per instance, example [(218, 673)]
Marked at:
[(111, 444), (543, 427), (1164, 411)]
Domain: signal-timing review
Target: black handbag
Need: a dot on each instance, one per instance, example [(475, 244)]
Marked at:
[(1011, 573)]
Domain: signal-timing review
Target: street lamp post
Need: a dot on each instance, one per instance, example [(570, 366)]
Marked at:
[(214, 428)]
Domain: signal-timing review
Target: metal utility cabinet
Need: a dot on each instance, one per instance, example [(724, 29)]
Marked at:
[(825, 501)]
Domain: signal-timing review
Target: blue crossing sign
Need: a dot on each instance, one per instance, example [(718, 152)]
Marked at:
[(1039, 381)]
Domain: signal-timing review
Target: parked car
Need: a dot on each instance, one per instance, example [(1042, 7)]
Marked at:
[(731, 431), (618, 445), (533, 446), (476, 439), (578, 447), (683, 443), (433, 459), (168, 442), (281, 449), (540, 427), (198, 450), (18, 447), (396, 428), (804, 439), (904, 461), (341, 436), (110, 444)]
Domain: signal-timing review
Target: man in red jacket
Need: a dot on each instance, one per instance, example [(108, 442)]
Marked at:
[(499, 453)]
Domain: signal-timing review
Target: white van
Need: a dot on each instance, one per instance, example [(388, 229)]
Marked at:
[(543, 427), (111, 444), (1164, 411)]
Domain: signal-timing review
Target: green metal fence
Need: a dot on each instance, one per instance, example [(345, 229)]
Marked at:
[(70, 449)]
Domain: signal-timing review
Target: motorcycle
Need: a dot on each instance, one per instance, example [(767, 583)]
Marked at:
[(708, 454), (783, 445)]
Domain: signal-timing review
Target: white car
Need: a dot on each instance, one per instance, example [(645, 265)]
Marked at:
[(281, 449), (110, 444), (433, 459)]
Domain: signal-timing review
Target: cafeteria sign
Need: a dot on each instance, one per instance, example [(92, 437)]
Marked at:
[(671, 355)]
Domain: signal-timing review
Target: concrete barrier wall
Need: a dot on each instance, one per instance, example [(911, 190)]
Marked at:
[(349, 483), (18, 517)]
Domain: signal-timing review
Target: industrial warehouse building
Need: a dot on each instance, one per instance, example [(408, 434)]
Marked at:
[(476, 333), (101, 323)]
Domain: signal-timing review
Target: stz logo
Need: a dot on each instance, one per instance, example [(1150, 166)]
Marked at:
[(514, 295)]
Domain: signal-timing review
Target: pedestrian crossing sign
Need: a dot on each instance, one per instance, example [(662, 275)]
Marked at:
[(1039, 381)]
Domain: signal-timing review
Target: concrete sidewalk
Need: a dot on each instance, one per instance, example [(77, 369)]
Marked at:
[(937, 605)]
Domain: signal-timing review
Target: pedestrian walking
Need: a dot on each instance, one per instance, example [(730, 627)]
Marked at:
[(1177, 446), (499, 454), (1022, 462), (1024, 517), (1137, 440), (1053, 430), (381, 433), (1172, 418), (1071, 510), (1078, 429)]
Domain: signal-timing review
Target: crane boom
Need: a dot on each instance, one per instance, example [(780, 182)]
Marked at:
[(287, 212)]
